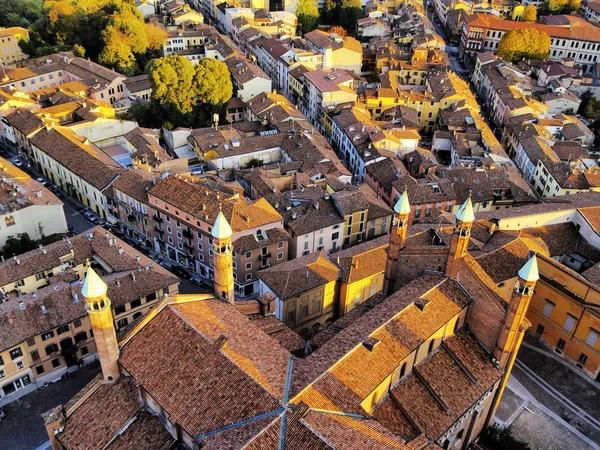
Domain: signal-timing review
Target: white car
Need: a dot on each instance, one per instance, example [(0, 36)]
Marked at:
[(17, 162), (41, 181), (89, 216)]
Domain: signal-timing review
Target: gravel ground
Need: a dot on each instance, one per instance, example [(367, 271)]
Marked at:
[(544, 433)]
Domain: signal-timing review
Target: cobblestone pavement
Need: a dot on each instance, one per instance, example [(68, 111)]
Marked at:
[(23, 428)]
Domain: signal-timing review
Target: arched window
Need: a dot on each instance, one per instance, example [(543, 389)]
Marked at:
[(403, 370)]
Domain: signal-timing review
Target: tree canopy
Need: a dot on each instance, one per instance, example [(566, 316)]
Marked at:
[(184, 95), (308, 15), (560, 6), (344, 13), (529, 14), (523, 43), (111, 32), (172, 80), (213, 82)]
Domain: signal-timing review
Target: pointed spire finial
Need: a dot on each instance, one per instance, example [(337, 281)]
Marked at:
[(402, 206), (529, 272), (93, 286), (465, 212), (221, 229)]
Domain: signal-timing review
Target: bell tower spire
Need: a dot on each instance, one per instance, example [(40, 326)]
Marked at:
[(98, 307), (223, 259), (461, 234), (515, 314), (397, 241)]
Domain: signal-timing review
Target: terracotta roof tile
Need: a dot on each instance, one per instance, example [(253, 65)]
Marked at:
[(101, 416), (190, 386)]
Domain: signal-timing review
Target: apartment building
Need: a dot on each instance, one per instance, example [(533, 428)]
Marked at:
[(45, 327), (75, 165), (305, 291), (339, 52), (581, 42), (10, 52), (323, 91), (27, 207), (249, 80), (60, 68), (361, 141), (183, 213)]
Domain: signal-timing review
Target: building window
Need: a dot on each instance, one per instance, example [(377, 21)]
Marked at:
[(15, 353), (79, 337), (62, 329), (569, 323), (122, 322), (539, 330), (248, 255), (280, 245), (548, 308), (48, 335), (248, 276), (77, 323), (582, 358), (430, 349), (55, 363), (561, 344), (20, 365), (50, 349), (592, 338), (249, 266), (2, 374), (119, 310), (35, 355), (84, 350), (279, 256), (31, 341), (39, 370)]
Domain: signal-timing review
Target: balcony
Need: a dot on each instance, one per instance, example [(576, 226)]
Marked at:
[(189, 245), (159, 229), (188, 234), (157, 218)]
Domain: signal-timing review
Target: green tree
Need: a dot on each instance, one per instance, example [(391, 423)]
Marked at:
[(17, 244), (347, 13), (172, 80), (523, 43), (213, 82), (529, 14), (78, 50), (124, 36), (327, 16), (19, 13), (560, 6), (308, 15)]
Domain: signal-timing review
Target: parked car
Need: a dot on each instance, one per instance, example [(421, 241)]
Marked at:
[(17, 162), (101, 222), (41, 181), (166, 264), (180, 272), (89, 216), (197, 281)]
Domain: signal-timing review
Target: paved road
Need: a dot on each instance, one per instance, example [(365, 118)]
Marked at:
[(23, 428)]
